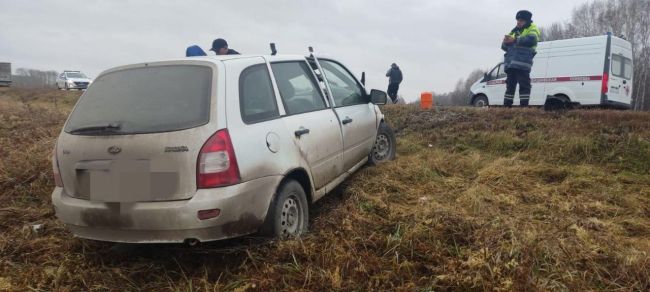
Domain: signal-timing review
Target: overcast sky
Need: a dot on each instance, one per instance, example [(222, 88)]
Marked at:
[(434, 42)]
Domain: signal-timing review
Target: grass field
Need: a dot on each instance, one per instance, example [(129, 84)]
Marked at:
[(491, 199)]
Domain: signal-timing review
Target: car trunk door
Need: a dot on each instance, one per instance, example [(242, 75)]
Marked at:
[(136, 133)]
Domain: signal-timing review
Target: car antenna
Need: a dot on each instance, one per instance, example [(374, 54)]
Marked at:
[(273, 50)]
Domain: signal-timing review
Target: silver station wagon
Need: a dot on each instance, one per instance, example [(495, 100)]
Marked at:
[(208, 148)]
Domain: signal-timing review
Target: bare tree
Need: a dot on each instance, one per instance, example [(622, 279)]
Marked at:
[(31, 78)]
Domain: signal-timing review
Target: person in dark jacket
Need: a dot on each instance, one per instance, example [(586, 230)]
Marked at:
[(520, 45), (395, 77), (220, 47)]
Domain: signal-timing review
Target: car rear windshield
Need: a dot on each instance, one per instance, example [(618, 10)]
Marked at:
[(144, 100)]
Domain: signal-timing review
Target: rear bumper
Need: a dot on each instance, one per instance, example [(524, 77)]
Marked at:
[(243, 209), (615, 104)]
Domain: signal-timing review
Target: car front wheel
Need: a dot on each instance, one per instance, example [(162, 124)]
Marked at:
[(385, 145), (288, 214)]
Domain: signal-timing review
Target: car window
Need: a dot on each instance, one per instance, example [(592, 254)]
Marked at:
[(298, 88), (145, 100), (256, 97), (345, 89)]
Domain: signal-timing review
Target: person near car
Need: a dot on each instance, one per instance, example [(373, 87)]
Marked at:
[(220, 47), (194, 51), (395, 77), (520, 47)]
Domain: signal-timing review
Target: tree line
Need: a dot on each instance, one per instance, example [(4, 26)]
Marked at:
[(629, 19), (32, 78)]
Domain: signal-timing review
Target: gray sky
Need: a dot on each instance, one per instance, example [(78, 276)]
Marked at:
[(434, 42)]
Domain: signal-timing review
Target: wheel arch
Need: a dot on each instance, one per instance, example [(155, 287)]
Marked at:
[(302, 177)]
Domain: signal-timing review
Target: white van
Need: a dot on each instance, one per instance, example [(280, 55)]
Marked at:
[(590, 71)]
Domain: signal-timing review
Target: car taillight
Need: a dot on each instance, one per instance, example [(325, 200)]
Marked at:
[(605, 87), (55, 169), (217, 164)]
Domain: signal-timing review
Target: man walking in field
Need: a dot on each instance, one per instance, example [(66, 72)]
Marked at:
[(520, 46), (395, 77)]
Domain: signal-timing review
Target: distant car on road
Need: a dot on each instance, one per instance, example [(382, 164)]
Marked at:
[(5, 74), (73, 80)]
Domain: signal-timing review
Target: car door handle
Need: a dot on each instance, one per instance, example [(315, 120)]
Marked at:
[(347, 120), (301, 132)]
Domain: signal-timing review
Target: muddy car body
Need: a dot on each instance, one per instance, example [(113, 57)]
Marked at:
[(208, 148)]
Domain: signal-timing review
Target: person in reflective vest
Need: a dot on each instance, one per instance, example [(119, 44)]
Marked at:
[(520, 46)]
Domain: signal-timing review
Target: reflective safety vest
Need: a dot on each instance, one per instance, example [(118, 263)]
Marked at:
[(526, 36), (520, 54)]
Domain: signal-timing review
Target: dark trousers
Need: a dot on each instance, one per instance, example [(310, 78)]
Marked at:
[(392, 91), (523, 78)]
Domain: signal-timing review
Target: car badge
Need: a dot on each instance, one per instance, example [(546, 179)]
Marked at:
[(114, 150)]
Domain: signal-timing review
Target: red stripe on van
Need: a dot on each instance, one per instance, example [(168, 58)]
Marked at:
[(554, 79)]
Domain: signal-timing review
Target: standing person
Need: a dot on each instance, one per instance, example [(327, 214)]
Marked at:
[(220, 47), (520, 45), (395, 77)]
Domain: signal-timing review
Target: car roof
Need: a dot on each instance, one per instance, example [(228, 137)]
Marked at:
[(212, 59)]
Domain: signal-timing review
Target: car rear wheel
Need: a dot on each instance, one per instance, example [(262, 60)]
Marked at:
[(288, 214), (385, 145)]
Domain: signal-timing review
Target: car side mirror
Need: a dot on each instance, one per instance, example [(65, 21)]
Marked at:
[(485, 77), (378, 97)]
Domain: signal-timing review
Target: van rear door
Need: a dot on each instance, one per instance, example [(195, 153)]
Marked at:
[(135, 134), (621, 72)]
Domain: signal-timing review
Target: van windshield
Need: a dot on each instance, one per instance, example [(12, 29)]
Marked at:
[(144, 100)]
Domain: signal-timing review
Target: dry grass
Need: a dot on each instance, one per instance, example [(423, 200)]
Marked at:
[(477, 200)]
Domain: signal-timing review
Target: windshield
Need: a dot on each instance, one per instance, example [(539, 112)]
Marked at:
[(144, 100), (75, 75)]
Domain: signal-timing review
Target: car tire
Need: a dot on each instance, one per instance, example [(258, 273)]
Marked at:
[(385, 145), (288, 215), (480, 101), (65, 87)]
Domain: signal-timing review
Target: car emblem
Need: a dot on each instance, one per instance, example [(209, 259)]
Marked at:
[(114, 150)]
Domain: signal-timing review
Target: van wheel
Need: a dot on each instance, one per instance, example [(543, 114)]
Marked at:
[(557, 103), (385, 145), (480, 101), (288, 214)]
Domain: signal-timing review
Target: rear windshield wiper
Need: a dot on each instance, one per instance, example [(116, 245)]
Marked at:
[(111, 127)]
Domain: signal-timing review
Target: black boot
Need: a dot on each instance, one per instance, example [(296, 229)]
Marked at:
[(523, 102), (507, 102)]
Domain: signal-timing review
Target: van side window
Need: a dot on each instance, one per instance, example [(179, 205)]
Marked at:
[(345, 90), (256, 97), (298, 88), (494, 73), (502, 71)]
